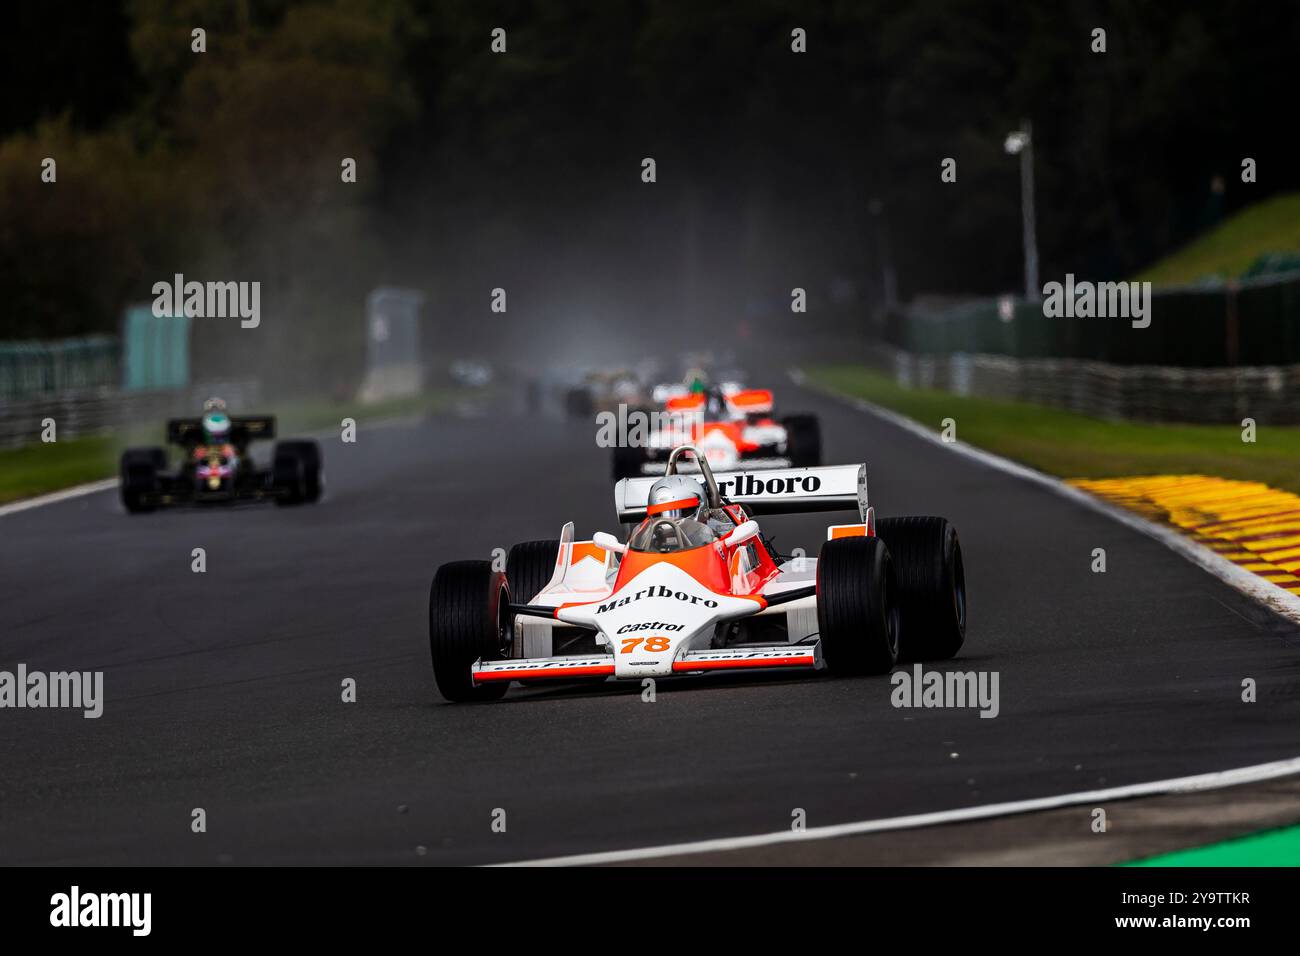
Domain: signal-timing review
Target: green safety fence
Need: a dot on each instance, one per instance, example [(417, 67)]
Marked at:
[(153, 353), (157, 350), (31, 369), (1251, 322)]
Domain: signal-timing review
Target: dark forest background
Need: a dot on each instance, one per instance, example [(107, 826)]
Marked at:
[(522, 170)]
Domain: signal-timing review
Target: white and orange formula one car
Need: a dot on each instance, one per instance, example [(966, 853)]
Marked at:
[(697, 588), (733, 428)]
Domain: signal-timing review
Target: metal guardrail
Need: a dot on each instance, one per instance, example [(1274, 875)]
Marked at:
[(1248, 322), (1268, 394), (104, 410)]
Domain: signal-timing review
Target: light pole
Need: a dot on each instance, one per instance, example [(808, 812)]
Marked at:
[(1022, 142), (888, 283)]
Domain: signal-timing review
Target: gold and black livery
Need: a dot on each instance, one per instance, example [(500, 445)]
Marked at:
[(212, 473)]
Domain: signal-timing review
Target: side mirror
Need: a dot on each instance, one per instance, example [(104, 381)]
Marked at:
[(741, 534), (607, 542)]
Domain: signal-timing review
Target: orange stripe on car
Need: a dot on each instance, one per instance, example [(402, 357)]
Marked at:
[(847, 531), (733, 663), (751, 396), (529, 673), (672, 505), (683, 402), (585, 549)]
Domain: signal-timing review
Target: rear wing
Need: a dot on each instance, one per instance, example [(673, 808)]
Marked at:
[(751, 400), (773, 491), (182, 431)]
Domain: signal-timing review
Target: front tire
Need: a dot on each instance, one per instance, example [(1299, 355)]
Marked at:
[(295, 469), (469, 620), (140, 468), (529, 567), (856, 612), (931, 585)]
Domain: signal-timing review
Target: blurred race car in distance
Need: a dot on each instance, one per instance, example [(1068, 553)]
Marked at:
[(216, 465), (732, 427), (698, 588), (471, 373), (604, 390), (697, 379)]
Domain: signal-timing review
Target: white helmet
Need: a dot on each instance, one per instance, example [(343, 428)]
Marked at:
[(674, 496)]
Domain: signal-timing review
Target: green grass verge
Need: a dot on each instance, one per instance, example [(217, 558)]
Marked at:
[(1075, 446), (36, 469), (41, 468), (1271, 848), (1227, 250)]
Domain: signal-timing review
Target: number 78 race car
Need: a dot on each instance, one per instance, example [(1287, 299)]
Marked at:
[(698, 588)]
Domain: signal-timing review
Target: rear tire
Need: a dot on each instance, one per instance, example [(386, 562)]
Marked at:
[(468, 620), (296, 471), (931, 585), (803, 441), (628, 462), (856, 612), (140, 468), (529, 567)]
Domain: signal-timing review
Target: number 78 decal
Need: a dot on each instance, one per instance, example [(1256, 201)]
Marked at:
[(655, 645)]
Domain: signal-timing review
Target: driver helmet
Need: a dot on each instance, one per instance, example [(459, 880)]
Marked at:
[(674, 496), (216, 423), (715, 404)]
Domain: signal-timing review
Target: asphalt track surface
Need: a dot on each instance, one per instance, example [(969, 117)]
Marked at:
[(223, 689)]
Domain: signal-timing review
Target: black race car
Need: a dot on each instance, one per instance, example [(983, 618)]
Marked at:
[(217, 467)]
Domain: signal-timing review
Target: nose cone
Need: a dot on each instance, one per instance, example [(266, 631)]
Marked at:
[(656, 617)]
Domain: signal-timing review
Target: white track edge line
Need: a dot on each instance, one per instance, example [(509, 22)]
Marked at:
[(1277, 599), (1216, 780), (76, 491)]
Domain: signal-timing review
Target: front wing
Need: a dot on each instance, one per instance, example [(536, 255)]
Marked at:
[(181, 488), (785, 656)]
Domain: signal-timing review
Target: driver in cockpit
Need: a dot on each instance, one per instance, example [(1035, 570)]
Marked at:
[(677, 518)]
